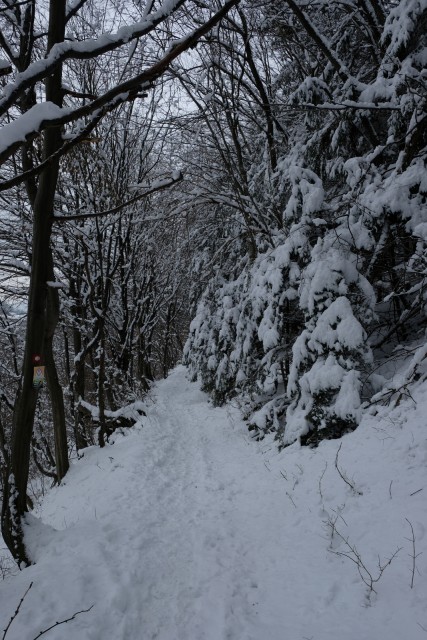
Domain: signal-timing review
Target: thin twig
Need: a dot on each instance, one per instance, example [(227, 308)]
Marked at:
[(320, 480), (62, 622), (343, 475), (412, 555), (290, 498), (16, 611)]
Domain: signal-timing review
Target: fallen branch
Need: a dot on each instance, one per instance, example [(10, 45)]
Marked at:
[(352, 553)]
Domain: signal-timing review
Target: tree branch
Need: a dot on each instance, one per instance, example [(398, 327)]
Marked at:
[(164, 184), (89, 49), (127, 90)]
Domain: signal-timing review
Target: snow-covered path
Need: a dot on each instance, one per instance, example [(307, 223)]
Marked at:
[(213, 566), (186, 529)]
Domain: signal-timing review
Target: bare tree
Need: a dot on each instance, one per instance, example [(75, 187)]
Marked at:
[(43, 129)]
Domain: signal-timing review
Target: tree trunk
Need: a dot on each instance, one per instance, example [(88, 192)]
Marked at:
[(15, 490), (101, 389), (55, 389), (78, 388)]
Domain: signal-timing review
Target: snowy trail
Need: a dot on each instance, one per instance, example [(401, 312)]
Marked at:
[(186, 529), (199, 515)]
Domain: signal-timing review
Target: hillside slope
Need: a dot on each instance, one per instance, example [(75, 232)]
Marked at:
[(186, 529)]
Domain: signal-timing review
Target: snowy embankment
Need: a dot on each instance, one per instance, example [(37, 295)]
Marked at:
[(186, 529)]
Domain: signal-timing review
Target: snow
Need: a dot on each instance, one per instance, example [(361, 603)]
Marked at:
[(186, 529), (400, 23), (28, 123)]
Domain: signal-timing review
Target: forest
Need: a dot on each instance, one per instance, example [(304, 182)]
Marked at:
[(240, 186)]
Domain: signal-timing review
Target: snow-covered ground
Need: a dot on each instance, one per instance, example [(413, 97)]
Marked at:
[(186, 529)]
